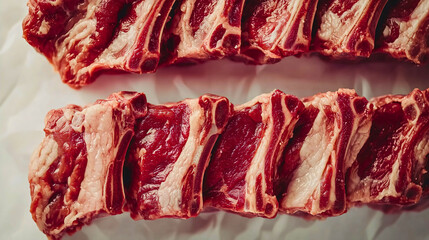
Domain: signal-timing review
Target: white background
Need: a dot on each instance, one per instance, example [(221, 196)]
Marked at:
[(29, 88)]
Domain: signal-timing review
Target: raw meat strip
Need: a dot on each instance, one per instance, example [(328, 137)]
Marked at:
[(169, 154), (326, 140), (82, 37), (273, 29), (403, 31), (76, 173), (346, 29), (244, 162), (203, 29), (392, 167)]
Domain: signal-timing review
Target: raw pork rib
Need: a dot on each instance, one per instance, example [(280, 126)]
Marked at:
[(326, 140), (392, 166), (240, 174), (273, 29), (346, 29), (76, 173), (81, 38), (169, 154), (404, 30), (203, 29)]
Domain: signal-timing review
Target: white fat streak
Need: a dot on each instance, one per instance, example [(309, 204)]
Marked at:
[(421, 150), (293, 9), (79, 34), (408, 29), (148, 139), (358, 136), (357, 140), (335, 29), (47, 151), (98, 137), (315, 153), (123, 45), (190, 45), (170, 191), (257, 164), (56, 2), (43, 158), (44, 28)]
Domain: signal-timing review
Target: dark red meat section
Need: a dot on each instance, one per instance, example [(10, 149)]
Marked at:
[(390, 165), (170, 129)]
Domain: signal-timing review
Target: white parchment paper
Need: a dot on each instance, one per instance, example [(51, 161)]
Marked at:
[(29, 88)]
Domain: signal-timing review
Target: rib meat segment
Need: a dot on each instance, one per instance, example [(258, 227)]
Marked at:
[(244, 162), (346, 29), (392, 167), (273, 29), (83, 37), (76, 172), (203, 29), (169, 154), (326, 140), (404, 30)]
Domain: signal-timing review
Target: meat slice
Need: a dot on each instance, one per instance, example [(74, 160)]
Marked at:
[(169, 154), (244, 162), (346, 29), (83, 37), (203, 29), (76, 172), (403, 31), (273, 29), (392, 167), (326, 140)]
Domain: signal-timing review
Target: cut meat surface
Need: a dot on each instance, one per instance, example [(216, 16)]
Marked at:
[(392, 167), (404, 30), (83, 37), (346, 29), (326, 140), (273, 29), (169, 155), (203, 29), (315, 157), (244, 162), (76, 173)]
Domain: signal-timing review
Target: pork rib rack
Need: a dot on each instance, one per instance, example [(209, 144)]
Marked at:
[(76, 173), (169, 155), (82, 38), (241, 172), (275, 153)]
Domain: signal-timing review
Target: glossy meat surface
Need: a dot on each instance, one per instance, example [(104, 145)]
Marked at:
[(346, 28), (392, 166), (325, 142), (169, 154), (83, 37), (273, 29), (201, 30), (76, 173), (403, 31), (240, 175)]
